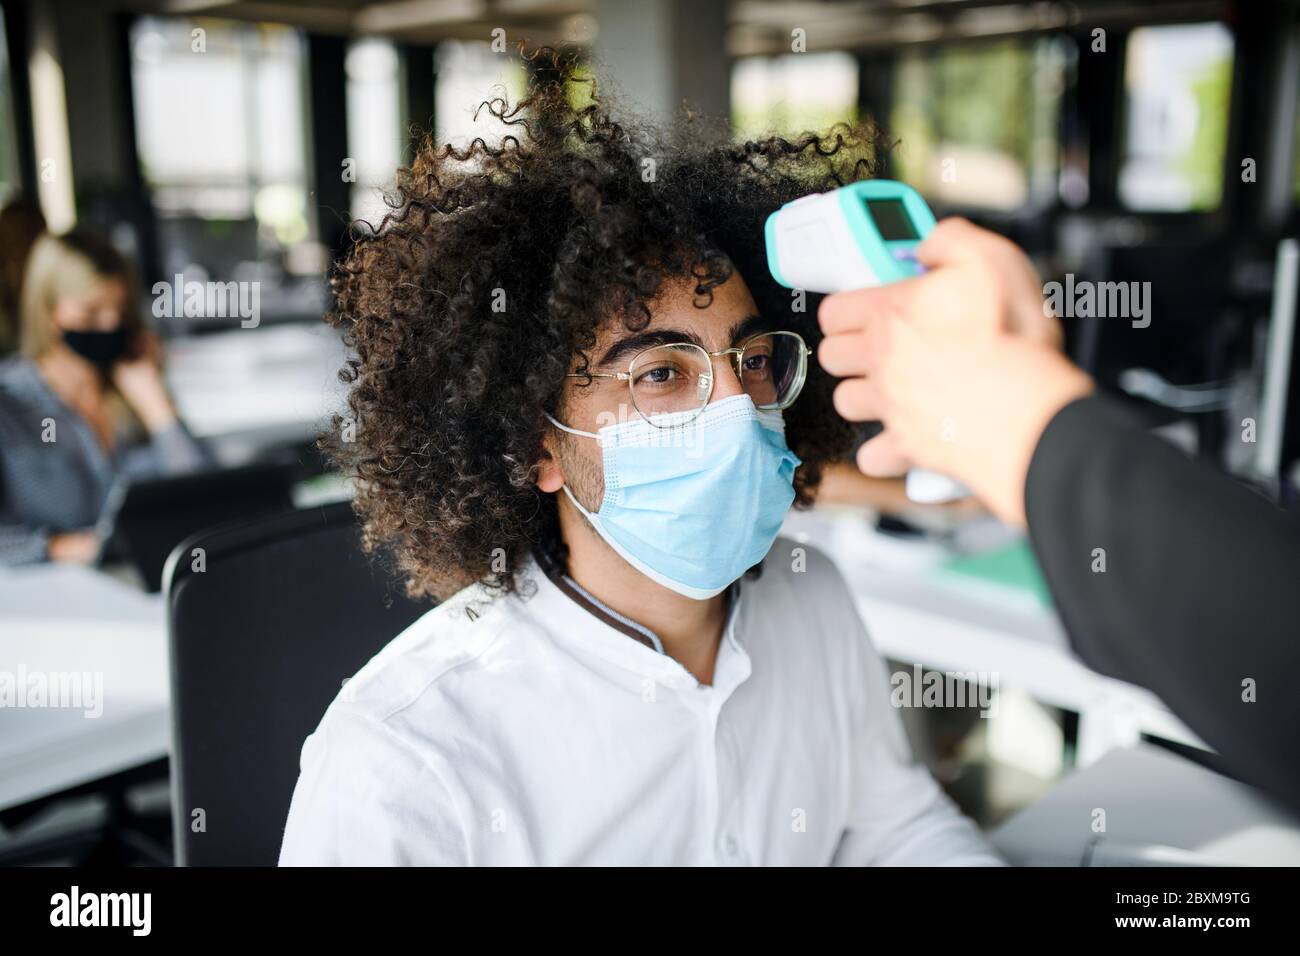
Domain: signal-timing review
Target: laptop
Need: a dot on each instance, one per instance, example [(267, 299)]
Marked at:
[(145, 519)]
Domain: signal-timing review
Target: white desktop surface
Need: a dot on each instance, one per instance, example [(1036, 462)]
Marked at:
[(1159, 809), (280, 380), (69, 619), (918, 613)]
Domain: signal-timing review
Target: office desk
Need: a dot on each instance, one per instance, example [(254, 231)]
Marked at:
[(918, 613), (68, 620), (1159, 810), (258, 386)]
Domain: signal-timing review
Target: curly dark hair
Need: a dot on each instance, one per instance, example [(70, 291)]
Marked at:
[(575, 219)]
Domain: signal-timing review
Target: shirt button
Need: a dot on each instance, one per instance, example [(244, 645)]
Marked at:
[(733, 847)]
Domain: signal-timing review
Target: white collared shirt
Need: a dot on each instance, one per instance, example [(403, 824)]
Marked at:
[(527, 730)]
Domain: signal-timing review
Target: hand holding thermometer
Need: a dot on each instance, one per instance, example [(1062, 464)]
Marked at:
[(860, 235)]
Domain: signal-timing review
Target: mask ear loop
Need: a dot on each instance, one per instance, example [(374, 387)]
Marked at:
[(571, 431), (577, 504), (565, 487)]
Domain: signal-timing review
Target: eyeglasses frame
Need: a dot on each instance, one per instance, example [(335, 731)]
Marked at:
[(737, 351)]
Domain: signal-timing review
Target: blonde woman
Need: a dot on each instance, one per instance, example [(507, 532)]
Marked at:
[(82, 403)]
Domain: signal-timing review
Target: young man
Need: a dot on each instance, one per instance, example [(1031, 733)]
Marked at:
[(579, 404)]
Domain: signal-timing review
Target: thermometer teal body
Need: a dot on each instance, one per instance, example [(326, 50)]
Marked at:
[(861, 235)]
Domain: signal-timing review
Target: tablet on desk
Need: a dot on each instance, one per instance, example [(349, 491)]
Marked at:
[(144, 519)]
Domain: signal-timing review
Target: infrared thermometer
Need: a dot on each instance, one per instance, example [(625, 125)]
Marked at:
[(861, 235)]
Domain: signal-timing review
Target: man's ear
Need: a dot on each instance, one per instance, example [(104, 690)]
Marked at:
[(549, 476)]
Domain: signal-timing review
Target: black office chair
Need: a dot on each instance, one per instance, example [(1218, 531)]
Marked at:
[(262, 638)]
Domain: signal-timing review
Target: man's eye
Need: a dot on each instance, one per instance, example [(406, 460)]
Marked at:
[(661, 375), (757, 363)]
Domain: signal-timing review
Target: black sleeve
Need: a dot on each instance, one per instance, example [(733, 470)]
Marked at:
[(1200, 596)]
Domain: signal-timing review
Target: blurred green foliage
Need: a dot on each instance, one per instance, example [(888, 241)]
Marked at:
[(979, 95), (1202, 162)]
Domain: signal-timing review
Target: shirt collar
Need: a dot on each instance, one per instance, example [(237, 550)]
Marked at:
[(574, 619), (594, 606), (579, 595)]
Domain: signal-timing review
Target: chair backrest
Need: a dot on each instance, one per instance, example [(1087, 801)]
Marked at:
[(145, 519), (265, 624)]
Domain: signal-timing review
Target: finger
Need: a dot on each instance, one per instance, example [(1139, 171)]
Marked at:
[(882, 458), (844, 354), (850, 311), (1031, 314), (1032, 319), (858, 400), (1013, 285), (859, 350), (954, 240)]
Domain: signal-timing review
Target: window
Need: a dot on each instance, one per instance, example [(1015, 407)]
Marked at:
[(977, 124), (374, 124), (792, 94), (1177, 81), (220, 125), (468, 74)]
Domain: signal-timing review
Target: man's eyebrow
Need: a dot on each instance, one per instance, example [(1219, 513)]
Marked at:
[(622, 351), (750, 325)]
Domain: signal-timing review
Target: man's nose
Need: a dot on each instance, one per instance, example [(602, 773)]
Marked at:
[(725, 382)]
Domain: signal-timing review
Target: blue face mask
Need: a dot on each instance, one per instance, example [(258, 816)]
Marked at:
[(694, 505)]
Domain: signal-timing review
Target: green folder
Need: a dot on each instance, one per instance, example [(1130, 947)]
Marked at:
[(1013, 567)]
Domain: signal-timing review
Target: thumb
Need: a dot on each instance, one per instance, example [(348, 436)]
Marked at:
[(882, 457), (952, 241)]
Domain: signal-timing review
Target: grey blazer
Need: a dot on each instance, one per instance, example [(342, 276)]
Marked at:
[(47, 487)]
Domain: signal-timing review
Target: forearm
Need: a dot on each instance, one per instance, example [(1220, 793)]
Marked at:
[(21, 544), (1171, 575), (176, 450)]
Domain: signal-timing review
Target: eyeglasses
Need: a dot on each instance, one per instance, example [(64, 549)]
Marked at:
[(678, 377)]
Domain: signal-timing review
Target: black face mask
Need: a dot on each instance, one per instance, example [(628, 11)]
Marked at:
[(98, 348)]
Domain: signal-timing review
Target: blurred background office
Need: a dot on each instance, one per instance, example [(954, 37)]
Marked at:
[(226, 148)]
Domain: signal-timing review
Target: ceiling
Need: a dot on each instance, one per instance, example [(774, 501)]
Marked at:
[(755, 26)]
